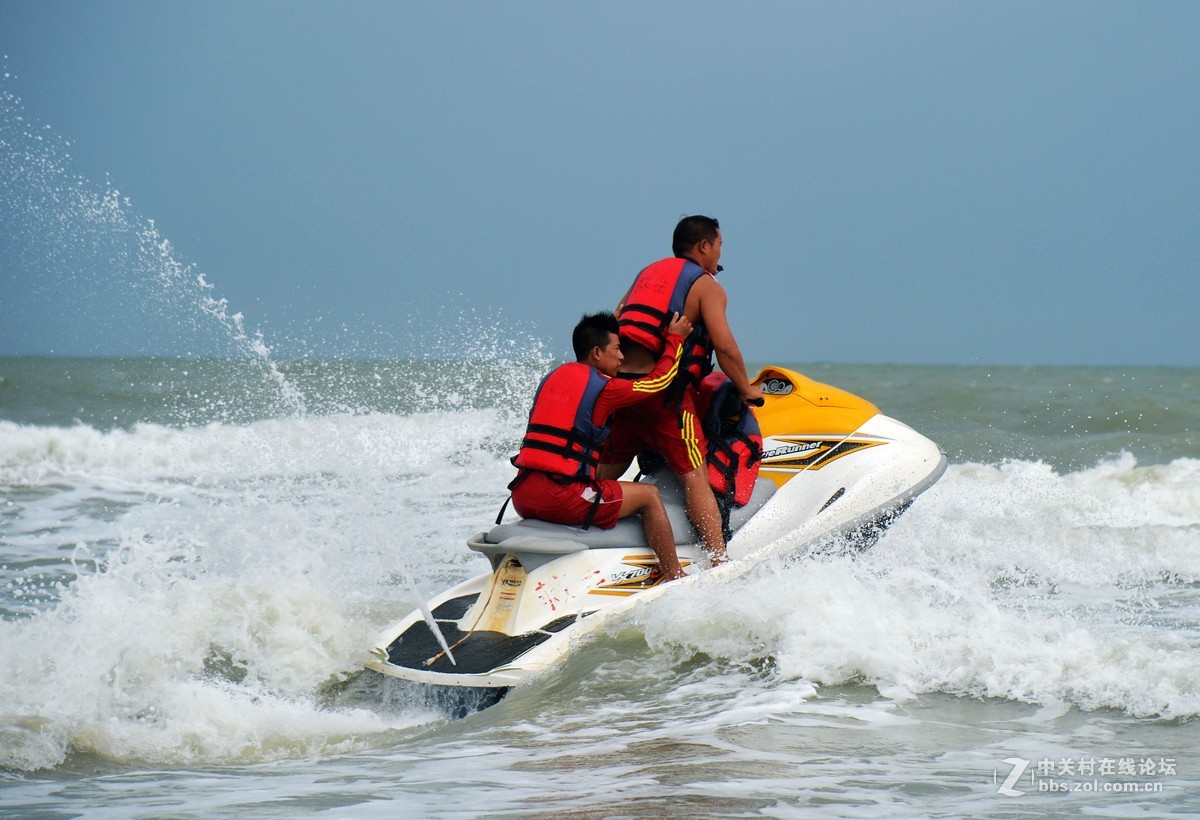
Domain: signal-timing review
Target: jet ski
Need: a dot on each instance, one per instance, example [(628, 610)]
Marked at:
[(834, 470)]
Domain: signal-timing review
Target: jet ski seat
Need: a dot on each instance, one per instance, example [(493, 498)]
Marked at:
[(542, 535)]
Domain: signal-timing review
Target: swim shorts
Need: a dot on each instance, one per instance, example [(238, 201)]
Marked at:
[(538, 495), (670, 429)]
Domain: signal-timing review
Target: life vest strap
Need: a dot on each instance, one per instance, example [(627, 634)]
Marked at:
[(569, 436), (568, 440), (693, 366), (586, 457), (653, 330), (512, 485), (649, 310)]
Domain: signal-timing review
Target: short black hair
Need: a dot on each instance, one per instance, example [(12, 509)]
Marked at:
[(691, 230), (593, 331)]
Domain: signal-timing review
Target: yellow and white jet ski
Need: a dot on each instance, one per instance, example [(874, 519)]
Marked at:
[(833, 470)]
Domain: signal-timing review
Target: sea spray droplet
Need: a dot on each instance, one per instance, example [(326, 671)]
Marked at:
[(83, 246)]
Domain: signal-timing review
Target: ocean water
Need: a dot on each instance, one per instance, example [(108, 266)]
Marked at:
[(195, 555)]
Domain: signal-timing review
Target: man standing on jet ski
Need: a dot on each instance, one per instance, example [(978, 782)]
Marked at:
[(568, 425), (685, 283)]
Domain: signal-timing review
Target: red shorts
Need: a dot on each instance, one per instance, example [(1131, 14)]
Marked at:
[(537, 495), (656, 425)]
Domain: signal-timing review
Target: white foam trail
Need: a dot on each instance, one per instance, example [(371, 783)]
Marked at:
[(215, 453), (253, 564), (1000, 582), (254, 569)]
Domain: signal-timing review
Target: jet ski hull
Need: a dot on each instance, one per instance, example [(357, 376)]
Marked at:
[(834, 469)]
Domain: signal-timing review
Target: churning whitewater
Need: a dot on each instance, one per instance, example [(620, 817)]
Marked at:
[(198, 596)]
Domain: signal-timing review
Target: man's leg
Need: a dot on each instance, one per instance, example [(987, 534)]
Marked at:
[(703, 512), (687, 460), (611, 472), (644, 499)]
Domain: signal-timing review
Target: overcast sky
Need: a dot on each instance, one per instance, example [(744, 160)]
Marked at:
[(910, 182)]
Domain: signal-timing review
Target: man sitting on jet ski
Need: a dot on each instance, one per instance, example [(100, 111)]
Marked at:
[(568, 425)]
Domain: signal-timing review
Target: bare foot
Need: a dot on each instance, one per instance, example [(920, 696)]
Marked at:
[(673, 574)]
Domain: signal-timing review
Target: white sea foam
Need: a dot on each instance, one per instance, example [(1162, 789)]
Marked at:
[(251, 566), (244, 567), (1005, 582), (343, 444), (161, 656)]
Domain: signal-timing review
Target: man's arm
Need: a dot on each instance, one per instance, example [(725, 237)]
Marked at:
[(664, 372), (713, 303), (623, 392)]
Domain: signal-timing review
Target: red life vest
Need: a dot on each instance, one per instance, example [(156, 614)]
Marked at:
[(561, 437), (658, 293), (734, 440)]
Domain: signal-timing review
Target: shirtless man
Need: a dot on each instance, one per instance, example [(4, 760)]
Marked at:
[(685, 283)]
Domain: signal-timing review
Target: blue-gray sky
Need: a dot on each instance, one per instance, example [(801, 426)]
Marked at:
[(918, 182)]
